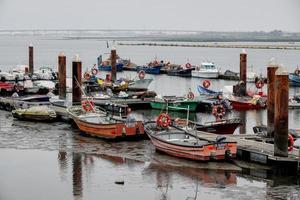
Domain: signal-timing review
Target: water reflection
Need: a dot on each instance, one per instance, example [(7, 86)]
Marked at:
[(77, 175)]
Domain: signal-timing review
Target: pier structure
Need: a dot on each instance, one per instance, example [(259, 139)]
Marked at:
[(31, 67), (76, 80), (113, 57), (281, 112), (271, 69), (62, 75), (243, 71)]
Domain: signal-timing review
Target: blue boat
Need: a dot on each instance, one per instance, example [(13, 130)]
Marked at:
[(149, 69), (205, 91), (105, 65), (294, 79), (108, 67)]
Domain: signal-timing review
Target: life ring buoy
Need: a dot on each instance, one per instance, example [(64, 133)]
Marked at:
[(290, 142), (142, 74), (87, 105), (188, 65), (87, 76), (163, 120), (259, 84), (94, 71), (206, 84), (190, 95), (218, 111)]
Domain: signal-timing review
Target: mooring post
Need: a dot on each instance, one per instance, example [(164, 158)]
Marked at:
[(76, 80), (281, 112), (62, 75), (113, 58), (243, 71), (272, 67), (30, 48)]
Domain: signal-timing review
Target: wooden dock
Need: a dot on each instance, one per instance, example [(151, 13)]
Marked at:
[(251, 148)]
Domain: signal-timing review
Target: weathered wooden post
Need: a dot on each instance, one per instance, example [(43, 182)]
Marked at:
[(76, 80), (30, 48), (113, 58), (272, 67), (62, 76), (281, 112), (243, 71)]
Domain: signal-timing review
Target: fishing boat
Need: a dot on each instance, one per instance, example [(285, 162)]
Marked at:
[(247, 103), (294, 79), (106, 64), (140, 84), (35, 113), (5, 76), (182, 143), (99, 124), (205, 91), (180, 72), (229, 75), (221, 127), (206, 70), (294, 102), (174, 103), (150, 69)]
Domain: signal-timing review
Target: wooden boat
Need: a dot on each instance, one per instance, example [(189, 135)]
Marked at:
[(181, 143), (35, 113), (294, 79), (294, 102), (247, 103), (229, 75), (174, 103), (205, 91), (206, 70), (183, 72), (140, 84), (99, 124), (150, 69), (222, 127)]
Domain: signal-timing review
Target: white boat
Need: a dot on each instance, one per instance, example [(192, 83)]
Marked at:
[(45, 73), (5, 76), (140, 84), (206, 70), (251, 75)]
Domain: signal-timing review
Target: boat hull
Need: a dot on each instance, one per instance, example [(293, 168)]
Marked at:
[(205, 74), (240, 105), (205, 152), (182, 73), (294, 80), (149, 70), (108, 67), (141, 84), (221, 128), (175, 106), (111, 131)]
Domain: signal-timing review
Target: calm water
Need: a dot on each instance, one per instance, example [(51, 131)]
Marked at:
[(54, 161)]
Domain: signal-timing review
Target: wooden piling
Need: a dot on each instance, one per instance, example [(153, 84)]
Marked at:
[(76, 80), (62, 76), (30, 48), (281, 112), (113, 57), (243, 70), (271, 98)]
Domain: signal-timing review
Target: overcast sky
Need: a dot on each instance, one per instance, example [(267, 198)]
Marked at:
[(203, 15)]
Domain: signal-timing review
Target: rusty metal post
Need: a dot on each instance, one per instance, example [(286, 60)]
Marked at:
[(113, 57), (76, 80), (281, 112), (62, 76), (30, 48), (271, 97), (243, 70)]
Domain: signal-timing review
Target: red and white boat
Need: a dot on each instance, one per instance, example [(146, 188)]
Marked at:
[(181, 143), (247, 103)]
